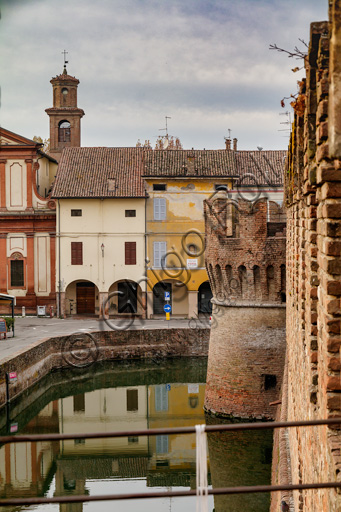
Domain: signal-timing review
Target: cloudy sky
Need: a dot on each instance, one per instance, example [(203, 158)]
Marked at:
[(204, 63)]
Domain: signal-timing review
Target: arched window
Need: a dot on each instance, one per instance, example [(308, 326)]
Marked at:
[(242, 274), (219, 284), (212, 279), (270, 280), (228, 278), (17, 270), (257, 283), (64, 131)]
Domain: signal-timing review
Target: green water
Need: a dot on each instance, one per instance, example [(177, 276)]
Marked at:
[(126, 396)]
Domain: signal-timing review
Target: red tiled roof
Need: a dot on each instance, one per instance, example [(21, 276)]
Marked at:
[(65, 77), (195, 162), (99, 173), (266, 167)]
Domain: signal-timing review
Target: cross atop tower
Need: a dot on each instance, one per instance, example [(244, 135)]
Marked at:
[(65, 61)]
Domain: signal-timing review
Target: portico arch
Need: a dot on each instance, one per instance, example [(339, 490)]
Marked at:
[(81, 298)]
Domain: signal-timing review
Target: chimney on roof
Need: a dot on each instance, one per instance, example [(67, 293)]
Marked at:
[(235, 144), (228, 143)]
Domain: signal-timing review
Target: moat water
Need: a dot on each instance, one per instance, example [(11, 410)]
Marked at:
[(127, 396)]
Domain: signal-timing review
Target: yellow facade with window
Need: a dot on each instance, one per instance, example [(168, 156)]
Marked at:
[(175, 244)]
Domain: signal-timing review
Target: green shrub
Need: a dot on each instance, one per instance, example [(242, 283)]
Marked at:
[(9, 323)]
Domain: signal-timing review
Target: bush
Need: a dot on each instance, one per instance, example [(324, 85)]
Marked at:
[(9, 323)]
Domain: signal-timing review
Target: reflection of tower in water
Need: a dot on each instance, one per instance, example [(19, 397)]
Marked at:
[(240, 459)]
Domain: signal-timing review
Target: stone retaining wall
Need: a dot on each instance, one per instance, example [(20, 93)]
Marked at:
[(81, 350)]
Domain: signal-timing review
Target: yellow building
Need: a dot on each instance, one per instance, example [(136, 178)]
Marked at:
[(177, 183)]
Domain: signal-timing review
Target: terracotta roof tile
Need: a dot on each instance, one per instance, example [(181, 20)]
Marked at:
[(64, 77), (196, 163), (266, 167), (99, 172)]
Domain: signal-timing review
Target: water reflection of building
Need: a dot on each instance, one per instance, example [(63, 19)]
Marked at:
[(237, 459), (27, 469), (173, 457)]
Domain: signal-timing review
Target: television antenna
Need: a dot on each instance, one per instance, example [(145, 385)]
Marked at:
[(287, 122), (166, 129)]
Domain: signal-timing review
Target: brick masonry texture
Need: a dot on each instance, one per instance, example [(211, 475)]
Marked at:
[(245, 254), (245, 363), (33, 363), (245, 261), (313, 203)]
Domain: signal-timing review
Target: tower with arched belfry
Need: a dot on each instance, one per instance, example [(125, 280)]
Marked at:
[(245, 261), (65, 116)]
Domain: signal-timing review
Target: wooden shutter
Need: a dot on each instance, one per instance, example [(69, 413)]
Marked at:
[(160, 249), (162, 209), (76, 253), (159, 208), (130, 253)]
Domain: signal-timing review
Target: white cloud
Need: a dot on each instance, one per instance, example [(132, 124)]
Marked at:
[(206, 63)]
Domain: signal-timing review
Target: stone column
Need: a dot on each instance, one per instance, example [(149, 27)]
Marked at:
[(144, 305), (103, 297), (29, 182), (3, 264), (30, 263), (149, 304), (62, 311), (52, 240), (3, 183), (192, 304)]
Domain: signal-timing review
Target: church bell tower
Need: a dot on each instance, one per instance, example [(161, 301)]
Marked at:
[(65, 116)]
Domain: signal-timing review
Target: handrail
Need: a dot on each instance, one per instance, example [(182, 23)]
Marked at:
[(166, 494), (174, 430), (160, 431)]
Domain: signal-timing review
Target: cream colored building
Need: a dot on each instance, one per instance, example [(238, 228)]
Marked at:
[(100, 231)]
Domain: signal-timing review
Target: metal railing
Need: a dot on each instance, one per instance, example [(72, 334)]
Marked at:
[(162, 431)]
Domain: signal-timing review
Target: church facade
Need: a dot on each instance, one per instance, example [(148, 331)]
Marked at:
[(27, 223)]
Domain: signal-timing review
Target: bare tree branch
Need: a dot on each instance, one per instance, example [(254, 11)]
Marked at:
[(297, 53)]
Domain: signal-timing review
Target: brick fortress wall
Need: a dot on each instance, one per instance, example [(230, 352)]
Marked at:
[(313, 199), (245, 261)]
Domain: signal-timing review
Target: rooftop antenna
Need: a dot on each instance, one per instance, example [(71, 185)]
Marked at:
[(166, 141), (229, 133), (287, 122), (64, 52)]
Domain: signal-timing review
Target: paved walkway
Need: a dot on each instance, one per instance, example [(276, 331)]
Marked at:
[(29, 330)]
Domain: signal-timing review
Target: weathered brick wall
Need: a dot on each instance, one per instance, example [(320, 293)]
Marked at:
[(245, 363), (313, 197), (249, 266), (246, 267)]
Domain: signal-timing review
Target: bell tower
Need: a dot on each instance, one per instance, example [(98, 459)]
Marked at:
[(65, 116)]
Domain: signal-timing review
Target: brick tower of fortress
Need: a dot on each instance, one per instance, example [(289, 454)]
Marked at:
[(245, 261), (65, 116)]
